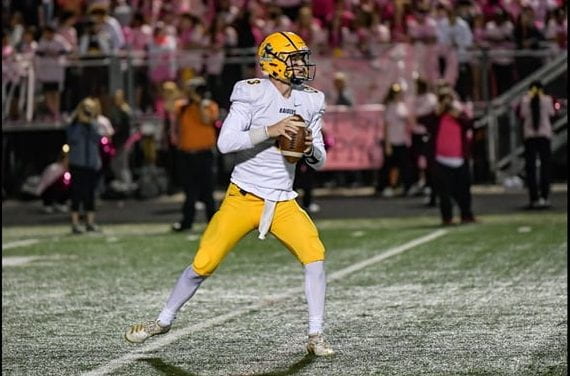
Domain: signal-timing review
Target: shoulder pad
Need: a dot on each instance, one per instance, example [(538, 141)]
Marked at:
[(248, 90), (308, 89)]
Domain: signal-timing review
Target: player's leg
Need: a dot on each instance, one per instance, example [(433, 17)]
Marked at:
[(295, 229), (237, 216)]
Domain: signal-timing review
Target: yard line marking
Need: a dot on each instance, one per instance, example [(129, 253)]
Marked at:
[(19, 243), (175, 335)]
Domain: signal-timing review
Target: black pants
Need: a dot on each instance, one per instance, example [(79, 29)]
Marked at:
[(537, 146), (197, 179), (464, 84), (453, 182), (503, 76), (304, 180), (83, 184), (401, 159)]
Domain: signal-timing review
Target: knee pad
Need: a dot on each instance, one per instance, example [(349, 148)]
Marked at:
[(203, 264)]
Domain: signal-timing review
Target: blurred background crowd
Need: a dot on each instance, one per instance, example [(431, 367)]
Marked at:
[(134, 58)]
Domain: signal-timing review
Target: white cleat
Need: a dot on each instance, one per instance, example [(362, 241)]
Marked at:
[(318, 346), (138, 333)]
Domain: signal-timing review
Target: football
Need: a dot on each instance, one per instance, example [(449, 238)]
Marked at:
[(293, 149)]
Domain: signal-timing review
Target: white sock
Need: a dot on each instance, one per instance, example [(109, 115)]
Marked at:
[(185, 287), (315, 289)]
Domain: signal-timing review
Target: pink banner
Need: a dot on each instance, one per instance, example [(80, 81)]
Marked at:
[(354, 136)]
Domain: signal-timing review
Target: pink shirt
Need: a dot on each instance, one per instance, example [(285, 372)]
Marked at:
[(546, 111), (138, 38), (448, 143), (423, 31)]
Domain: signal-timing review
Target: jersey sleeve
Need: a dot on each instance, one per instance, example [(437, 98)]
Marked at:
[(318, 156), (236, 134)]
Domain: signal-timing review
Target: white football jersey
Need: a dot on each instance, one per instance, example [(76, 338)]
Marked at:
[(261, 169)]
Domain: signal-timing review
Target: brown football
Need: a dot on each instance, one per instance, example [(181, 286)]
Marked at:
[(293, 149)]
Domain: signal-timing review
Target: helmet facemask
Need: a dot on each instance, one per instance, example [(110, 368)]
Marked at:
[(299, 69)]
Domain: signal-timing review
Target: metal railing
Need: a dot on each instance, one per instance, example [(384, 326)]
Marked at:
[(504, 106)]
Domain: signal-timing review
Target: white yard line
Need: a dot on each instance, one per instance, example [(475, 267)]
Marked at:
[(19, 243), (141, 351)]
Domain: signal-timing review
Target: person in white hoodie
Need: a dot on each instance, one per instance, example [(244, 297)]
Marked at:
[(261, 193)]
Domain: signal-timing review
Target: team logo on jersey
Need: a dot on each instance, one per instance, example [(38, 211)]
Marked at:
[(286, 111)]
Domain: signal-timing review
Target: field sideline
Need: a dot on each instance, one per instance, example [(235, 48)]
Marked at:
[(404, 298)]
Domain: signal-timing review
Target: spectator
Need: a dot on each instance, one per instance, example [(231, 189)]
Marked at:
[(46, 11), (99, 14), (276, 20), (162, 56), (228, 11), (220, 37), (450, 136), (454, 38), (500, 33), (339, 20), (168, 106), (398, 123), (123, 13), (196, 140), (290, 7), (54, 183), (323, 9), (479, 43), (17, 28), (305, 179), (309, 28), (51, 52), (104, 126), (121, 118), (536, 109), (423, 33), (138, 37), (425, 103), (67, 29), (192, 38), (527, 37), (84, 163), (28, 46), (342, 95), (107, 148), (556, 31), (379, 35), (94, 46)]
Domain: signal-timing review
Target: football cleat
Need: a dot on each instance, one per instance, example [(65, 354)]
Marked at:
[(318, 346), (138, 333)]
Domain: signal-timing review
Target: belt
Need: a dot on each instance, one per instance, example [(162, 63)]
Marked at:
[(266, 215)]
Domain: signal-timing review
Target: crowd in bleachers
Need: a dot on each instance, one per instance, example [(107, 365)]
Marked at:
[(184, 38), (169, 42)]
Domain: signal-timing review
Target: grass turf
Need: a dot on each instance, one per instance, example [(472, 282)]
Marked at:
[(487, 299)]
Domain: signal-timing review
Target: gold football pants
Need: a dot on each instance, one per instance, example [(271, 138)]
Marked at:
[(239, 214)]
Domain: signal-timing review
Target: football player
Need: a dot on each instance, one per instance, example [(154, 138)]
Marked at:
[(261, 194)]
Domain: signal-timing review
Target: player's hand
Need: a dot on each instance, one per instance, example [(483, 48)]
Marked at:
[(308, 141), (284, 127)]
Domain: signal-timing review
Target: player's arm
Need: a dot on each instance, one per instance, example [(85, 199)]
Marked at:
[(315, 153), (236, 133)]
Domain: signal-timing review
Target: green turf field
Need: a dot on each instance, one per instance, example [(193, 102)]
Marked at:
[(486, 299)]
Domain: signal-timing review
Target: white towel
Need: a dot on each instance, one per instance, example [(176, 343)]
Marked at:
[(266, 217)]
